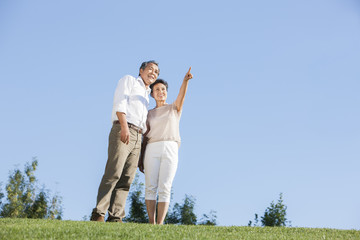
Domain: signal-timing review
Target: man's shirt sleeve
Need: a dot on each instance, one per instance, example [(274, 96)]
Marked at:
[(122, 94)]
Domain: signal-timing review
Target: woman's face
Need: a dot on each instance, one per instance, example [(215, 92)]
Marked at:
[(159, 92)]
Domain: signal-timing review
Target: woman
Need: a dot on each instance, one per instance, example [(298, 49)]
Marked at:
[(159, 153)]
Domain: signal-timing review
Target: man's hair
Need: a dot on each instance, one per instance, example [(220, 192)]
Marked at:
[(144, 64), (159, 80)]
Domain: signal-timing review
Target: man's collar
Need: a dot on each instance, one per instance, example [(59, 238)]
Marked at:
[(143, 84), (140, 80)]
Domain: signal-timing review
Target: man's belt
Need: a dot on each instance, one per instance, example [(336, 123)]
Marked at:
[(132, 126)]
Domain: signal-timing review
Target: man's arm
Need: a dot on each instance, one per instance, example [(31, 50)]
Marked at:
[(124, 133), (122, 93)]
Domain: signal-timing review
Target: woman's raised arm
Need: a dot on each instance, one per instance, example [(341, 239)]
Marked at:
[(179, 102)]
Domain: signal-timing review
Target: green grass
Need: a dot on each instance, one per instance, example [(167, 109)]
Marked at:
[(54, 229)]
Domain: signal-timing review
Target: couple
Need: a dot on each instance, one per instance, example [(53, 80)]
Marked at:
[(158, 151)]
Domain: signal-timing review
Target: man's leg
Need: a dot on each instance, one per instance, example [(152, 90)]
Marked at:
[(121, 190), (117, 155)]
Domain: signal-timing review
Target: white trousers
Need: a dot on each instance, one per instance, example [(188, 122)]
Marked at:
[(160, 164)]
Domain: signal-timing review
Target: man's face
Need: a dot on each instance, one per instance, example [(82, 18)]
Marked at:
[(149, 74)]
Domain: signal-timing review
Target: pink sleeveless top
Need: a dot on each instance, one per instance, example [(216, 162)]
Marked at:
[(163, 124)]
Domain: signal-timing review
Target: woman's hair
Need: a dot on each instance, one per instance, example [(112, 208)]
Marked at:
[(158, 81)]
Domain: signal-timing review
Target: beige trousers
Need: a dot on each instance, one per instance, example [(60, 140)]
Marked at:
[(119, 173)]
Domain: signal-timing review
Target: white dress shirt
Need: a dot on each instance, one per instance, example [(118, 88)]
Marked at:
[(132, 98)]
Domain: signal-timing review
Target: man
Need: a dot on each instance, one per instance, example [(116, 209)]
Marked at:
[(131, 101)]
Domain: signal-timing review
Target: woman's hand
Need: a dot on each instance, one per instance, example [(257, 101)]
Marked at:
[(141, 164), (188, 75)]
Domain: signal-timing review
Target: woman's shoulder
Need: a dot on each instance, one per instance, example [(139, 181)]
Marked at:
[(162, 110)]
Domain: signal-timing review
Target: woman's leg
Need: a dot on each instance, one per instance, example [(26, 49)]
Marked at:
[(151, 168), (162, 211), (168, 166), (151, 207)]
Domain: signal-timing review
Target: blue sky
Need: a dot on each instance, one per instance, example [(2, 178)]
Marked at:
[(273, 106)]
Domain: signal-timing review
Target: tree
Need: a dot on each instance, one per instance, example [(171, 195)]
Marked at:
[(274, 216), (23, 201), (183, 214), (1, 196), (209, 219), (256, 220), (188, 216), (137, 211), (39, 208), (19, 192), (55, 208)]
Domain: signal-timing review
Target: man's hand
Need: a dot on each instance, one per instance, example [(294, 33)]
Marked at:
[(188, 75), (125, 134)]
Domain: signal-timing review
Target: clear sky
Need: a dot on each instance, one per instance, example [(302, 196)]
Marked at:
[(273, 106)]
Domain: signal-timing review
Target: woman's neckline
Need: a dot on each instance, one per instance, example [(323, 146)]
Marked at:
[(165, 104)]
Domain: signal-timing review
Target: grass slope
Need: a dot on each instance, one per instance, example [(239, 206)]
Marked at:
[(54, 229)]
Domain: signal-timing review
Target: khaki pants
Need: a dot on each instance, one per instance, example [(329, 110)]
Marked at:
[(119, 173)]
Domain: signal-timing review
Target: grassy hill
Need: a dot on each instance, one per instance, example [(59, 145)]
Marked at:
[(54, 229)]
